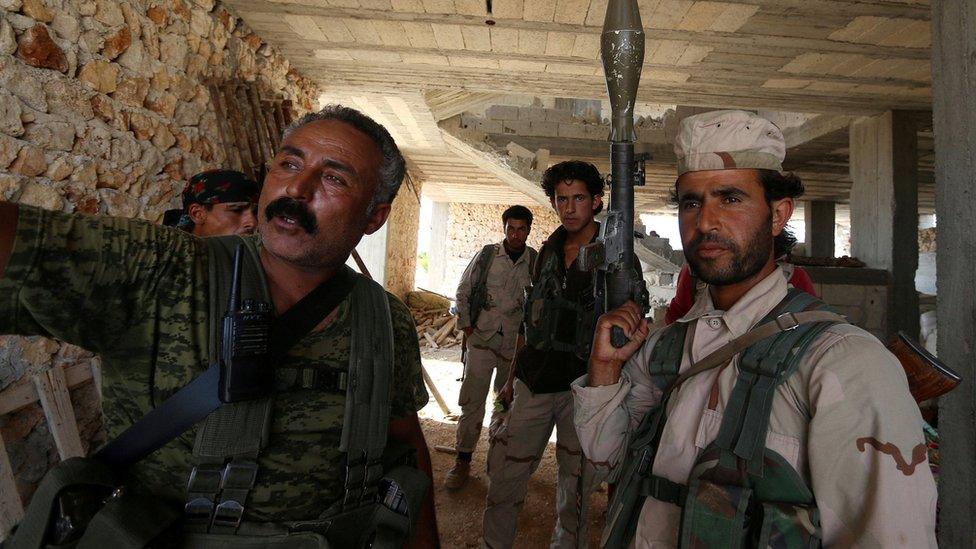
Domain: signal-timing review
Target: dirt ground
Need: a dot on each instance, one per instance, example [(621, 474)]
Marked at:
[(459, 512)]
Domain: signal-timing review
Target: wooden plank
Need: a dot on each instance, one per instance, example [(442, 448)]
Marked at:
[(11, 508), (232, 160), (701, 16), (96, 376), (23, 393), (52, 391), (421, 35), (392, 33), (305, 27), (734, 18), (363, 31), (438, 6)]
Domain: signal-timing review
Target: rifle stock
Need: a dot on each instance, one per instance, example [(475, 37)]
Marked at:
[(928, 377)]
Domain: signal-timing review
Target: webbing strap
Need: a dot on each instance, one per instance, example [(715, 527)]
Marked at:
[(663, 489), (30, 534), (367, 411), (128, 522), (485, 259), (234, 430)]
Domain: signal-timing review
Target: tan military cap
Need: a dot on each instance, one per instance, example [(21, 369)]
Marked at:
[(723, 140)]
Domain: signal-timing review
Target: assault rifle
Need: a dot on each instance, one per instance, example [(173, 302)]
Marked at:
[(622, 50)]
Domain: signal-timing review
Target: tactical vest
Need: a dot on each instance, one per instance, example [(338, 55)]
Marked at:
[(739, 492), (383, 492), (549, 314), (479, 300)]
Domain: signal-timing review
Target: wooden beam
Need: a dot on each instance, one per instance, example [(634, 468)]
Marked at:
[(11, 508), (52, 390), (21, 394)]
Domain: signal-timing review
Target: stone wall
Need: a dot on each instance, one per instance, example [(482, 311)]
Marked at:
[(862, 295), (471, 226), (104, 108)]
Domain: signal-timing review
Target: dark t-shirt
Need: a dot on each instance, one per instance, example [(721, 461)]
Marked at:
[(138, 294)]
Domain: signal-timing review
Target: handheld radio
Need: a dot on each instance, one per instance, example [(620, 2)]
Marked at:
[(245, 369)]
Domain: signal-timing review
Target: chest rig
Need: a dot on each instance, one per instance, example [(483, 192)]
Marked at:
[(554, 319), (379, 494), (739, 492)]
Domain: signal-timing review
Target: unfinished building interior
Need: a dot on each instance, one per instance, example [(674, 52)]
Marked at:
[(108, 106)]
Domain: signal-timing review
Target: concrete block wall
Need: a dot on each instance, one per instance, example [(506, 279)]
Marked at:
[(537, 121), (471, 226)]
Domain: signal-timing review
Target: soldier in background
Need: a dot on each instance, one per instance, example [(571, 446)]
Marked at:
[(489, 304), (217, 203), (559, 320)]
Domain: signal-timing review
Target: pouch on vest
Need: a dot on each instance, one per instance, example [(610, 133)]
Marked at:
[(552, 321)]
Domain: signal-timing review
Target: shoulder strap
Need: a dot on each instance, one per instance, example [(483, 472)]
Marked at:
[(763, 367), (666, 356), (533, 256), (367, 412)]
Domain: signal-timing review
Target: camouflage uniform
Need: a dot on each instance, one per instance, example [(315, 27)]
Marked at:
[(137, 294), (491, 345), (844, 420)]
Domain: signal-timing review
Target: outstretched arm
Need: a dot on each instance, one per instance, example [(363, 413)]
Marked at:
[(8, 226), (407, 430)]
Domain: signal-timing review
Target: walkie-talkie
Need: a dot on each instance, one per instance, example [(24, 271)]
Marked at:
[(245, 369)]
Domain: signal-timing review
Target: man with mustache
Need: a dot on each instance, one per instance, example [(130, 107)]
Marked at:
[(559, 320), (138, 294), (759, 418)]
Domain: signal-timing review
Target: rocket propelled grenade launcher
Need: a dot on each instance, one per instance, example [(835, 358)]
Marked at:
[(622, 50)]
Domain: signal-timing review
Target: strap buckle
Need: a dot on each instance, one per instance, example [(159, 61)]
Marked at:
[(198, 510), (228, 514), (238, 475), (787, 321)]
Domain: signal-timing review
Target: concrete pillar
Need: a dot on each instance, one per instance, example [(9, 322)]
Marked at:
[(401, 242), (884, 207), (437, 256), (819, 219), (954, 117)]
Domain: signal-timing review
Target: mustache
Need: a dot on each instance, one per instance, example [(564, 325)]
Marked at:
[(711, 238), (289, 207)]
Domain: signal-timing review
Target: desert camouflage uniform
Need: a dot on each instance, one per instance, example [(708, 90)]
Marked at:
[(137, 294), (491, 345), (845, 421)]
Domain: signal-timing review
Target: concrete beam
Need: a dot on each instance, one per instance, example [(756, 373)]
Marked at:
[(884, 207), (494, 165), (814, 128), (954, 117)]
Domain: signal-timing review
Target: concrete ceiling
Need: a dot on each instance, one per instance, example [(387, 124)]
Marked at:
[(413, 64)]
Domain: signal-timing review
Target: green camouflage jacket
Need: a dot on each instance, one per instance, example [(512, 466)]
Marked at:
[(137, 294)]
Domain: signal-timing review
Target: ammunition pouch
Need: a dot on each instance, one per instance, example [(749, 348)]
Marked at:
[(553, 322)]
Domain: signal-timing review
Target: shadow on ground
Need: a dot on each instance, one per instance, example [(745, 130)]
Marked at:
[(459, 512)]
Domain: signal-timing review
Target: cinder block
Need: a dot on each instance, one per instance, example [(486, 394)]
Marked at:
[(532, 113), (843, 294), (492, 126), (571, 130), (503, 112), (517, 127), (543, 128), (559, 115), (470, 121), (597, 132)]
